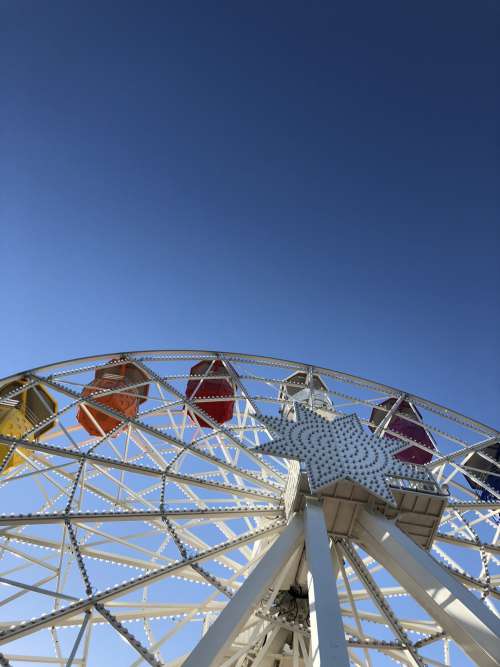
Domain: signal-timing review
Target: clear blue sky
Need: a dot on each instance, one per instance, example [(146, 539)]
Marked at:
[(316, 182)]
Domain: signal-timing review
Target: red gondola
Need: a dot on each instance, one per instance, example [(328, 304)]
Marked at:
[(214, 385), (127, 402), (399, 424)]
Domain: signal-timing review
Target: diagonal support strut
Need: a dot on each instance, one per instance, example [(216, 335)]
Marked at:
[(219, 637), (461, 615)]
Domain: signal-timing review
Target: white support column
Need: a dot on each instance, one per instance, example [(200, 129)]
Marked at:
[(210, 651), (465, 618), (328, 644)]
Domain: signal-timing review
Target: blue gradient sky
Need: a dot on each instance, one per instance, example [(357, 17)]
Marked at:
[(318, 184)]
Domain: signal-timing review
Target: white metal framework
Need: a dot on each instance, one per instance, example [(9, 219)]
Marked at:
[(164, 542)]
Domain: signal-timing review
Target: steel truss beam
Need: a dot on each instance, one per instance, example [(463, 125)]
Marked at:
[(470, 582), (140, 515), (78, 639), (463, 542), (212, 647), (51, 619), (378, 598), (139, 469), (461, 615), (474, 505), (157, 433), (218, 428), (36, 589)]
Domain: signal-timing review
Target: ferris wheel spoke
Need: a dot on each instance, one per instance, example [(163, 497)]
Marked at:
[(148, 448), (78, 639), (107, 462), (238, 380), (305, 652), (35, 588), (482, 521), (469, 544), (51, 619), (477, 479), (42, 472), (371, 642), (469, 581), (121, 559), (29, 558), (60, 517), (97, 554), (434, 663), (353, 608), (188, 535), (24, 566), (128, 636), (194, 407), (437, 636), (195, 542), (420, 627), (467, 449), (207, 606), (142, 426), (66, 432), (474, 504), (16, 596), (254, 643), (38, 471)]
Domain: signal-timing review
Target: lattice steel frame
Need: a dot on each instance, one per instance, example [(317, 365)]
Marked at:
[(188, 487)]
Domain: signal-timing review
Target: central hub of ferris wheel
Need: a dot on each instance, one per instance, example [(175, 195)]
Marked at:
[(348, 468)]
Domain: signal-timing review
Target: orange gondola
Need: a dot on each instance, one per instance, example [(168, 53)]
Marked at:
[(125, 376)]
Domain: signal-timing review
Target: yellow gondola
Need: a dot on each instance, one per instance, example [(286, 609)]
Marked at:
[(20, 413)]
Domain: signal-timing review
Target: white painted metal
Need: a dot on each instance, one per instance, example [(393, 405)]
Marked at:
[(153, 500), (456, 610), (210, 650), (79, 637), (338, 450), (328, 645)]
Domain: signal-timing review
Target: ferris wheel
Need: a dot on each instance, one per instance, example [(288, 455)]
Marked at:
[(207, 509)]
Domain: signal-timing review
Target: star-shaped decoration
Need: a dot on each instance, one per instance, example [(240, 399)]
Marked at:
[(337, 450)]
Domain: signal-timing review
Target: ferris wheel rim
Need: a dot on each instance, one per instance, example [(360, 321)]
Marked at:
[(247, 357)]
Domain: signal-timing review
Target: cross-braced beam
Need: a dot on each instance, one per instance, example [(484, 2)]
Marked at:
[(461, 615), (51, 619), (212, 647), (140, 515)]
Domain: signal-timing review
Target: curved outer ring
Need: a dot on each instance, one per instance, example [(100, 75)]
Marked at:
[(347, 377)]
